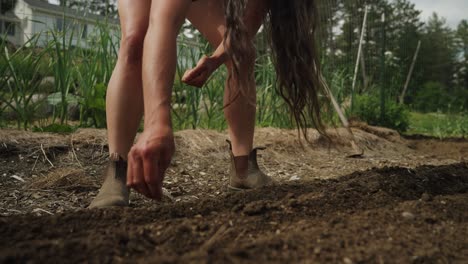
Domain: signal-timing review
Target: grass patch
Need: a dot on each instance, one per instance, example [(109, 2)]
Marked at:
[(438, 125)]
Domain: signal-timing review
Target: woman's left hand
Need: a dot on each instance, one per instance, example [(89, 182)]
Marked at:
[(199, 75)]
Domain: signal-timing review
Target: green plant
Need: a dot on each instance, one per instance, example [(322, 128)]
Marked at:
[(80, 70), (94, 69), (4, 77), (431, 98), (271, 110), (367, 108), (93, 106), (22, 79), (61, 51), (55, 128)]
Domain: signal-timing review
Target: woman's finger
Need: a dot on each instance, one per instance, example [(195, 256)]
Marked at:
[(130, 171), (150, 168), (199, 80), (187, 75), (194, 73), (138, 182)]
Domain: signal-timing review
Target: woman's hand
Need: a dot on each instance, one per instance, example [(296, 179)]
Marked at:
[(199, 75), (148, 160)]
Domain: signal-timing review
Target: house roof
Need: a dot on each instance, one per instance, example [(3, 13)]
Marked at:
[(45, 6)]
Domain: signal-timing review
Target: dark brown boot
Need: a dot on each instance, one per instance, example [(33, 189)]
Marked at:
[(244, 172), (114, 190)]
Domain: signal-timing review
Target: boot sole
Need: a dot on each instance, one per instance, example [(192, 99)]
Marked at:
[(235, 189)]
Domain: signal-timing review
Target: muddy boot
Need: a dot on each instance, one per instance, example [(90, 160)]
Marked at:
[(114, 190), (244, 172)]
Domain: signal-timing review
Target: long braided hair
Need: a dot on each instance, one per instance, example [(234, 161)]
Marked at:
[(291, 27)]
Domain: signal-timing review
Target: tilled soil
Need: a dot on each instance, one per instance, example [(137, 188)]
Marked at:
[(404, 201)]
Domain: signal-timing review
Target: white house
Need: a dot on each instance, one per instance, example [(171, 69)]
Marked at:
[(38, 18)]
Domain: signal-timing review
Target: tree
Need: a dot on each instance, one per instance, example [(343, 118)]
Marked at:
[(350, 16), (462, 45), (438, 52), (403, 34), (403, 31)]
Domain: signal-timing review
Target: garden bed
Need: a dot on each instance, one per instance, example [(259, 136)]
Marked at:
[(405, 201)]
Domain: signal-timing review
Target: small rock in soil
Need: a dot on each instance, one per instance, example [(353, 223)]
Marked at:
[(425, 197), (408, 215)]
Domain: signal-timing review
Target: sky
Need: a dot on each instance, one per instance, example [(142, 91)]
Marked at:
[(452, 10)]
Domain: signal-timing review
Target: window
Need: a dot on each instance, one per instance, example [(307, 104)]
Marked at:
[(63, 25), (10, 28), (70, 27), (84, 33), (59, 24), (7, 27)]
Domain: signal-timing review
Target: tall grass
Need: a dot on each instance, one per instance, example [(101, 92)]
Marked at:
[(439, 125), (62, 62), (93, 72), (81, 76), (20, 80)]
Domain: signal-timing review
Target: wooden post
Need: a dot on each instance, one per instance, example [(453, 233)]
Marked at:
[(358, 152), (408, 79), (363, 69)]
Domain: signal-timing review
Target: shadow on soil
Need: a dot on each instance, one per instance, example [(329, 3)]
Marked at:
[(381, 215)]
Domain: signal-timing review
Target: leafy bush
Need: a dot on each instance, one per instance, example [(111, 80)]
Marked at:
[(431, 98), (93, 106), (459, 101), (435, 97), (367, 108)]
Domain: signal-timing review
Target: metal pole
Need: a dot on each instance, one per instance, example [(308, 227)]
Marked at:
[(382, 69)]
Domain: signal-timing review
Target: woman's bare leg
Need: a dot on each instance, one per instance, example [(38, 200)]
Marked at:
[(208, 17), (124, 102), (124, 105)]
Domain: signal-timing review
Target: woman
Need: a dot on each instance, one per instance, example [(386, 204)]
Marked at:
[(144, 74)]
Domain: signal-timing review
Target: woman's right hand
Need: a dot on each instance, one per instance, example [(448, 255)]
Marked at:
[(148, 160)]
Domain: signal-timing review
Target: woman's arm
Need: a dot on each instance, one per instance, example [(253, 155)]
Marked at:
[(255, 13), (151, 155)]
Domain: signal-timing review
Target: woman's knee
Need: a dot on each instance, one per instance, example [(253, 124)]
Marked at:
[(169, 15), (131, 47)]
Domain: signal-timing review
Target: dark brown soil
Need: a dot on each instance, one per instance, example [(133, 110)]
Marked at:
[(405, 201)]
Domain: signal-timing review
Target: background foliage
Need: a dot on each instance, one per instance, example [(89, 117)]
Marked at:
[(79, 76)]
